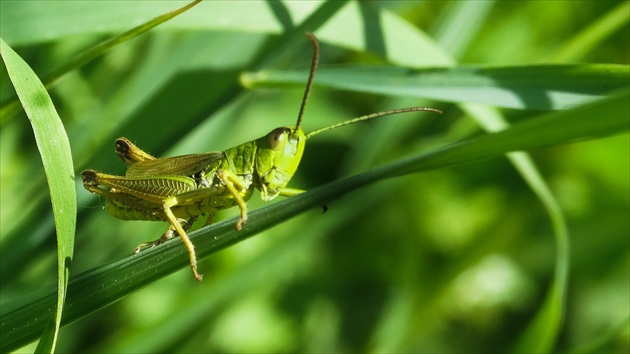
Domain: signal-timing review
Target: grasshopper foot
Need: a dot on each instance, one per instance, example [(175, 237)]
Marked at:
[(193, 266), (198, 277), (167, 236), (239, 224), (146, 244), (149, 244)]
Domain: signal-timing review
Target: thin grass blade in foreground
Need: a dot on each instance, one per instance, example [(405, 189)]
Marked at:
[(54, 149)]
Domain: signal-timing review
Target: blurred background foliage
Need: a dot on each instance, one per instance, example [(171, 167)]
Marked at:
[(453, 260)]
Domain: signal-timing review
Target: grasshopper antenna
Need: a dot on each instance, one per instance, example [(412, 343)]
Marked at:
[(311, 75), (372, 116)]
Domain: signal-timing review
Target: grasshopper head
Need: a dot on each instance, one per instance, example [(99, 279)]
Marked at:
[(278, 155)]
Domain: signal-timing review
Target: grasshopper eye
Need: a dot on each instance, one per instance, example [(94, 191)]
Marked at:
[(276, 138)]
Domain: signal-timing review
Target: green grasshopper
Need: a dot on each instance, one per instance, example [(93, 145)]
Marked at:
[(181, 188)]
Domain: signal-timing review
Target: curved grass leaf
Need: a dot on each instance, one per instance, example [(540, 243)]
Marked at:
[(54, 149), (104, 285), (112, 42), (471, 18), (536, 87), (85, 57), (28, 22), (549, 320)]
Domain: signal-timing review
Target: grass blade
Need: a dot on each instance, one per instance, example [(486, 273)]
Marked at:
[(536, 87), (54, 149), (85, 57)]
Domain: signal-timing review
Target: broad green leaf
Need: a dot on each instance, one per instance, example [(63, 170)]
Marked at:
[(104, 285)]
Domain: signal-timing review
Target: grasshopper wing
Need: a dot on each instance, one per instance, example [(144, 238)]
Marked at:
[(185, 165)]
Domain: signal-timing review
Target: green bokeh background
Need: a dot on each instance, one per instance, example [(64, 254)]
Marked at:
[(453, 260)]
